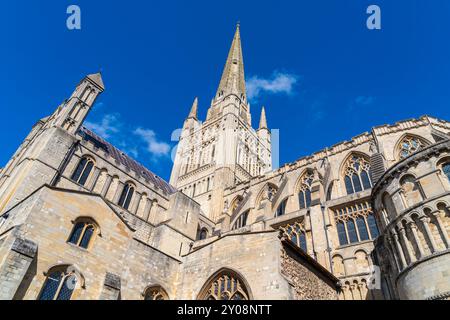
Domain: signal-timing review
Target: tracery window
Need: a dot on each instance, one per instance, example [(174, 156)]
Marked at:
[(241, 221), (81, 173), (297, 234), (82, 233), (409, 145), (304, 194), (357, 174), (126, 196), (226, 286), (355, 223), (155, 293), (281, 210), (59, 285)]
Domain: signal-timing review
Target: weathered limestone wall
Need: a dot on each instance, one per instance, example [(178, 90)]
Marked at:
[(49, 222), (307, 283), (255, 256), (428, 280)]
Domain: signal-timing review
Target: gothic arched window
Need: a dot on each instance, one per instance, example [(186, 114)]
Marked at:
[(225, 286), (126, 196), (82, 233), (281, 210), (297, 234), (202, 233), (357, 174), (355, 223), (59, 285), (408, 145), (81, 173), (241, 221), (304, 194), (155, 293)]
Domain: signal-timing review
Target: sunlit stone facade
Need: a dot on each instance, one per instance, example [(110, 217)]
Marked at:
[(367, 218)]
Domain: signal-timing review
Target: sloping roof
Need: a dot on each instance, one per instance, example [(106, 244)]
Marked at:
[(125, 160)]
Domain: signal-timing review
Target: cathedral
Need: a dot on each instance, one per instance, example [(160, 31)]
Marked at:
[(365, 219)]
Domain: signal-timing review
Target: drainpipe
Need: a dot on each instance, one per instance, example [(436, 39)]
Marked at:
[(64, 163), (322, 207)]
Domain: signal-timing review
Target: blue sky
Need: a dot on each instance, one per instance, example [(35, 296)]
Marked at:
[(328, 77)]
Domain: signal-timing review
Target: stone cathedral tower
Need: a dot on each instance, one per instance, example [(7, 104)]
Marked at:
[(224, 150)]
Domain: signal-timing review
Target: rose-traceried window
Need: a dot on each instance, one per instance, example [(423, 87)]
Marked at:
[(225, 286), (304, 193), (297, 234), (410, 145), (357, 174)]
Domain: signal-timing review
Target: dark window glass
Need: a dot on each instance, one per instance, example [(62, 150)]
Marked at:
[(372, 226), (356, 183), (67, 288), (301, 200), (87, 237), (365, 180), (129, 197), (446, 169), (79, 170), (308, 198), (352, 231), (51, 286), (86, 173), (203, 234), (76, 233), (348, 185), (302, 241), (363, 234), (341, 233), (126, 196), (281, 210)]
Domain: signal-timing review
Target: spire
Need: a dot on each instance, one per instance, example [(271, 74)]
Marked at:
[(263, 120), (97, 79), (233, 80), (194, 109)]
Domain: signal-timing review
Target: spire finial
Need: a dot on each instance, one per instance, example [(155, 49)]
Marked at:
[(263, 120), (233, 80), (194, 109)]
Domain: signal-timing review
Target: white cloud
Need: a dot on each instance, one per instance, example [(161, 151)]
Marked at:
[(154, 146), (278, 83), (107, 126)]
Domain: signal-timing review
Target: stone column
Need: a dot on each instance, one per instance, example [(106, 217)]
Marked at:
[(111, 287), (413, 227), (425, 220), (148, 207), (442, 229), (107, 185), (15, 267), (94, 179), (405, 240), (399, 250), (119, 190), (136, 201), (392, 255)]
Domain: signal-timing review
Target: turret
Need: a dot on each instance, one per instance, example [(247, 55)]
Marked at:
[(78, 106)]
